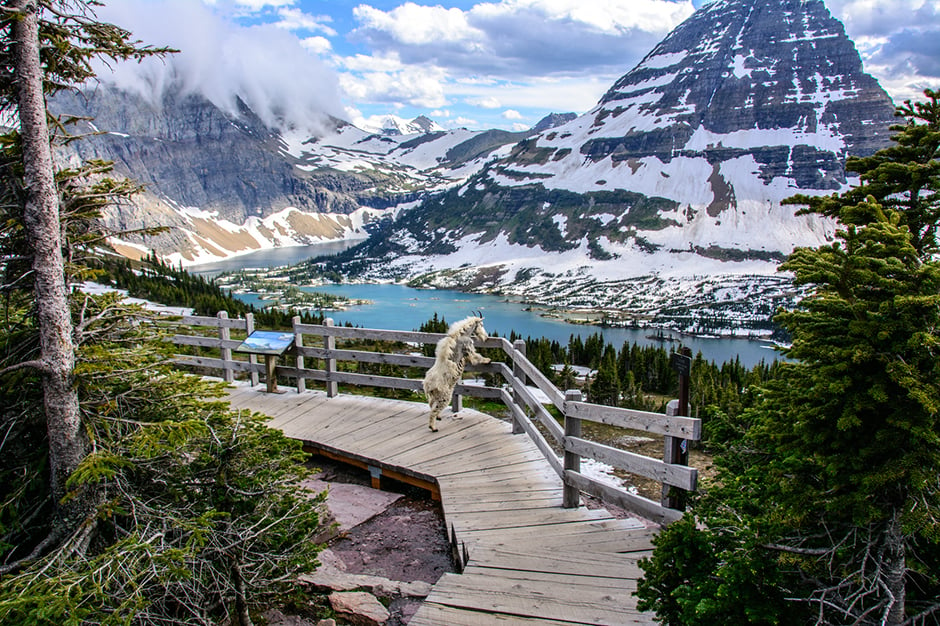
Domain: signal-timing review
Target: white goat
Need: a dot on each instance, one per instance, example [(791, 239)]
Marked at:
[(453, 352)]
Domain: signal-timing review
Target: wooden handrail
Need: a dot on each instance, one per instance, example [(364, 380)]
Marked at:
[(515, 394)]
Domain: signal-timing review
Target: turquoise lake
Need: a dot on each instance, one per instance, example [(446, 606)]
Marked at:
[(396, 307)]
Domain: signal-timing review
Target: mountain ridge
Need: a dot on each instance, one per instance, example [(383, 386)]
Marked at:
[(678, 173)]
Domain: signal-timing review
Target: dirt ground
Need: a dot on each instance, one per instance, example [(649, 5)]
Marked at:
[(405, 542)]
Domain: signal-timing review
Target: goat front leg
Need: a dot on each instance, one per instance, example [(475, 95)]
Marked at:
[(476, 358)]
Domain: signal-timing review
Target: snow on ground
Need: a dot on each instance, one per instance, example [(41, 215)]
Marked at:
[(92, 288)]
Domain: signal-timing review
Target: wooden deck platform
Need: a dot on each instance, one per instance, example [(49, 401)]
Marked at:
[(526, 559)]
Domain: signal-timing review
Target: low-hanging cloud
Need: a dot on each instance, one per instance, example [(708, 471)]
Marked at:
[(266, 66)]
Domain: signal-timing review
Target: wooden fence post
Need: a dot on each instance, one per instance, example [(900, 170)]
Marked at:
[(571, 497), (253, 359), (224, 335), (299, 343), (519, 347), (676, 450), (329, 343)]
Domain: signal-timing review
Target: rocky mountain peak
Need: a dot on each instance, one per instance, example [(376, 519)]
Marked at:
[(749, 66), (553, 120)]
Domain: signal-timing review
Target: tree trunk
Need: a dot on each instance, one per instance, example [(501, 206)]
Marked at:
[(895, 567), (67, 445), (242, 616)]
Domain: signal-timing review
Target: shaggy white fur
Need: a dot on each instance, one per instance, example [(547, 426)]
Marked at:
[(452, 354)]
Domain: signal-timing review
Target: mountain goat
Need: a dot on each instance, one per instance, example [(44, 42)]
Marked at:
[(453, 352)]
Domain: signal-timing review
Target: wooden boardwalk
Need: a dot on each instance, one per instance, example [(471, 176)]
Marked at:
[(526, 560)]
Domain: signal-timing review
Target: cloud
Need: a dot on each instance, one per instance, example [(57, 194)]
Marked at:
[(521, 38), (489, 102), (463, 122), (257, 5), (899, 41), (295, 19), (317, 44), (512, 114), (265, 66), (406, 85)]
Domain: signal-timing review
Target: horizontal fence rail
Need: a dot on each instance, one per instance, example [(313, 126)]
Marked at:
[(315, 357)]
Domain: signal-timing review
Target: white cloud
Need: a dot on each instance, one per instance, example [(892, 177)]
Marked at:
[(257, 5), (265, 66), (463, 122), (520, 127), (415, 86), (489, 102), (295, 19), (414, 24), (512, 114), (438, 113), (317, 44)]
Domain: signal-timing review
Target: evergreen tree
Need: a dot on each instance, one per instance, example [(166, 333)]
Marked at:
[(605, 387), (128, 495), (826, 509)]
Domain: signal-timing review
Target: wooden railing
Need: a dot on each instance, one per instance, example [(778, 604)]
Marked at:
[(515, 394)]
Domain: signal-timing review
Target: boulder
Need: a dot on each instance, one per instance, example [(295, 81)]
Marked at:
[(359, 608)]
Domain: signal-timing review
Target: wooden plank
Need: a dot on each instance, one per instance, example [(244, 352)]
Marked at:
[(613, 567), (211, 363), (392, 433), (522, 504), (623, 498), (530, 400), (213, 322), (306, 407), (365, 356), (205, 342), (538, 378), (539, 573), (523, 420), (351, 432), (450, 441), (470, 460), (431, 614), (674, 426), (403, 336), (677, 475), (534, 600), (524, 519)]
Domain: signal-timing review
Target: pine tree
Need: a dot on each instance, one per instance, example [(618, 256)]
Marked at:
[(605, 387), (827, 507)]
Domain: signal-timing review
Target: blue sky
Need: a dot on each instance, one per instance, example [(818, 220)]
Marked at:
[(477, 64)]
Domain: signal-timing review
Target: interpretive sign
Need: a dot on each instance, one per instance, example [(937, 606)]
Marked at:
[(271, 344), (682, 364), (266, 342)]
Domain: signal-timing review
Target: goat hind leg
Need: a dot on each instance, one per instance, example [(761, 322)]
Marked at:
[(436, 408)]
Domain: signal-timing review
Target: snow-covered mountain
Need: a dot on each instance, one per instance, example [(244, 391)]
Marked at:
[(673, 183), (228, 184), (393, 125)]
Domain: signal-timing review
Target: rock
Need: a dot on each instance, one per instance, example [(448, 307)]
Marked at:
[(359, 608), (332, 576), (352, 504), (327, 622), (275, 617)]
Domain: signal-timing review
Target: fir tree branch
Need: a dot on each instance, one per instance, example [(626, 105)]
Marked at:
[(37, 364), (37, 552)]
